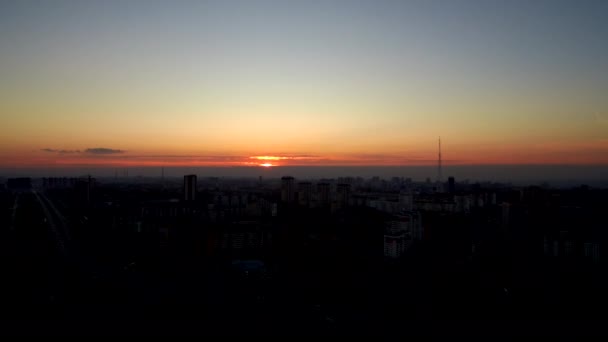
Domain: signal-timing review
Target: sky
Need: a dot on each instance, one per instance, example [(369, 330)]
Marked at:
[(314, 83)]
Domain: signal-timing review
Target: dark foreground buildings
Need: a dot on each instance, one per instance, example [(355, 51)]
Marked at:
[(301, 256)]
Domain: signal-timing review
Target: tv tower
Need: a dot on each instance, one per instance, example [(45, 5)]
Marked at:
[(439, 175)]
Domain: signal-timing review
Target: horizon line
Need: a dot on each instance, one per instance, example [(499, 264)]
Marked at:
[(259, 166)]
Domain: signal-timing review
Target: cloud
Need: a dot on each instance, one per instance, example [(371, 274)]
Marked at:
[(94, 150), (102, 150), (52, 150)]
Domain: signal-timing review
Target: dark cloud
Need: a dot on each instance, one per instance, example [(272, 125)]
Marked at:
[(52, 150), (102, 150)]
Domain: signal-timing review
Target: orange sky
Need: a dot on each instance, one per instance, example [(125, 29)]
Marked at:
[(581, 153), (371, 83)]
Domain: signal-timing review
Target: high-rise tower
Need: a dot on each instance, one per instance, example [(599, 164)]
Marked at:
[(190, 187), (439, 171), (287, 189)]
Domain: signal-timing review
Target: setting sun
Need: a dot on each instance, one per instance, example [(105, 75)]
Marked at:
[(268, 158), (266, 165)]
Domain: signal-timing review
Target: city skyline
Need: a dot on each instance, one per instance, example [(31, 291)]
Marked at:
[(303, 167), (269, 83)]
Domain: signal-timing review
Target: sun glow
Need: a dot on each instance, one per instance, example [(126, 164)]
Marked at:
[(266, 165), (268, 158)]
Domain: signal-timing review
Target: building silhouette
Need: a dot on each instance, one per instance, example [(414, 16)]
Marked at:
[(287, 189), (304, 193), (343, 194), (189, 187), (323, 193), (451, 185)]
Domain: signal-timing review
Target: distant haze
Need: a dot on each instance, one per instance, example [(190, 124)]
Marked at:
[(517, 174)]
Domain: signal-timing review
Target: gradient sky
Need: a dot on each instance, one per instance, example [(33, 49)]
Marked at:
[(312, 82)]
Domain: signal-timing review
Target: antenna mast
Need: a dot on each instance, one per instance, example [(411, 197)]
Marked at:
[(439, 175)]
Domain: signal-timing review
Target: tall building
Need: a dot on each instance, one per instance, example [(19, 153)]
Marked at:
[(401, 233), (304, 193), (395, 244), (323, 193), (591, 250), (451, 185), (84, 187), (287, 189), (406, 201), (189, 187), (343, 191)]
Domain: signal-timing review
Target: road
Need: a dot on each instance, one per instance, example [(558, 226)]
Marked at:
[(56, 222), (33, 260)]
